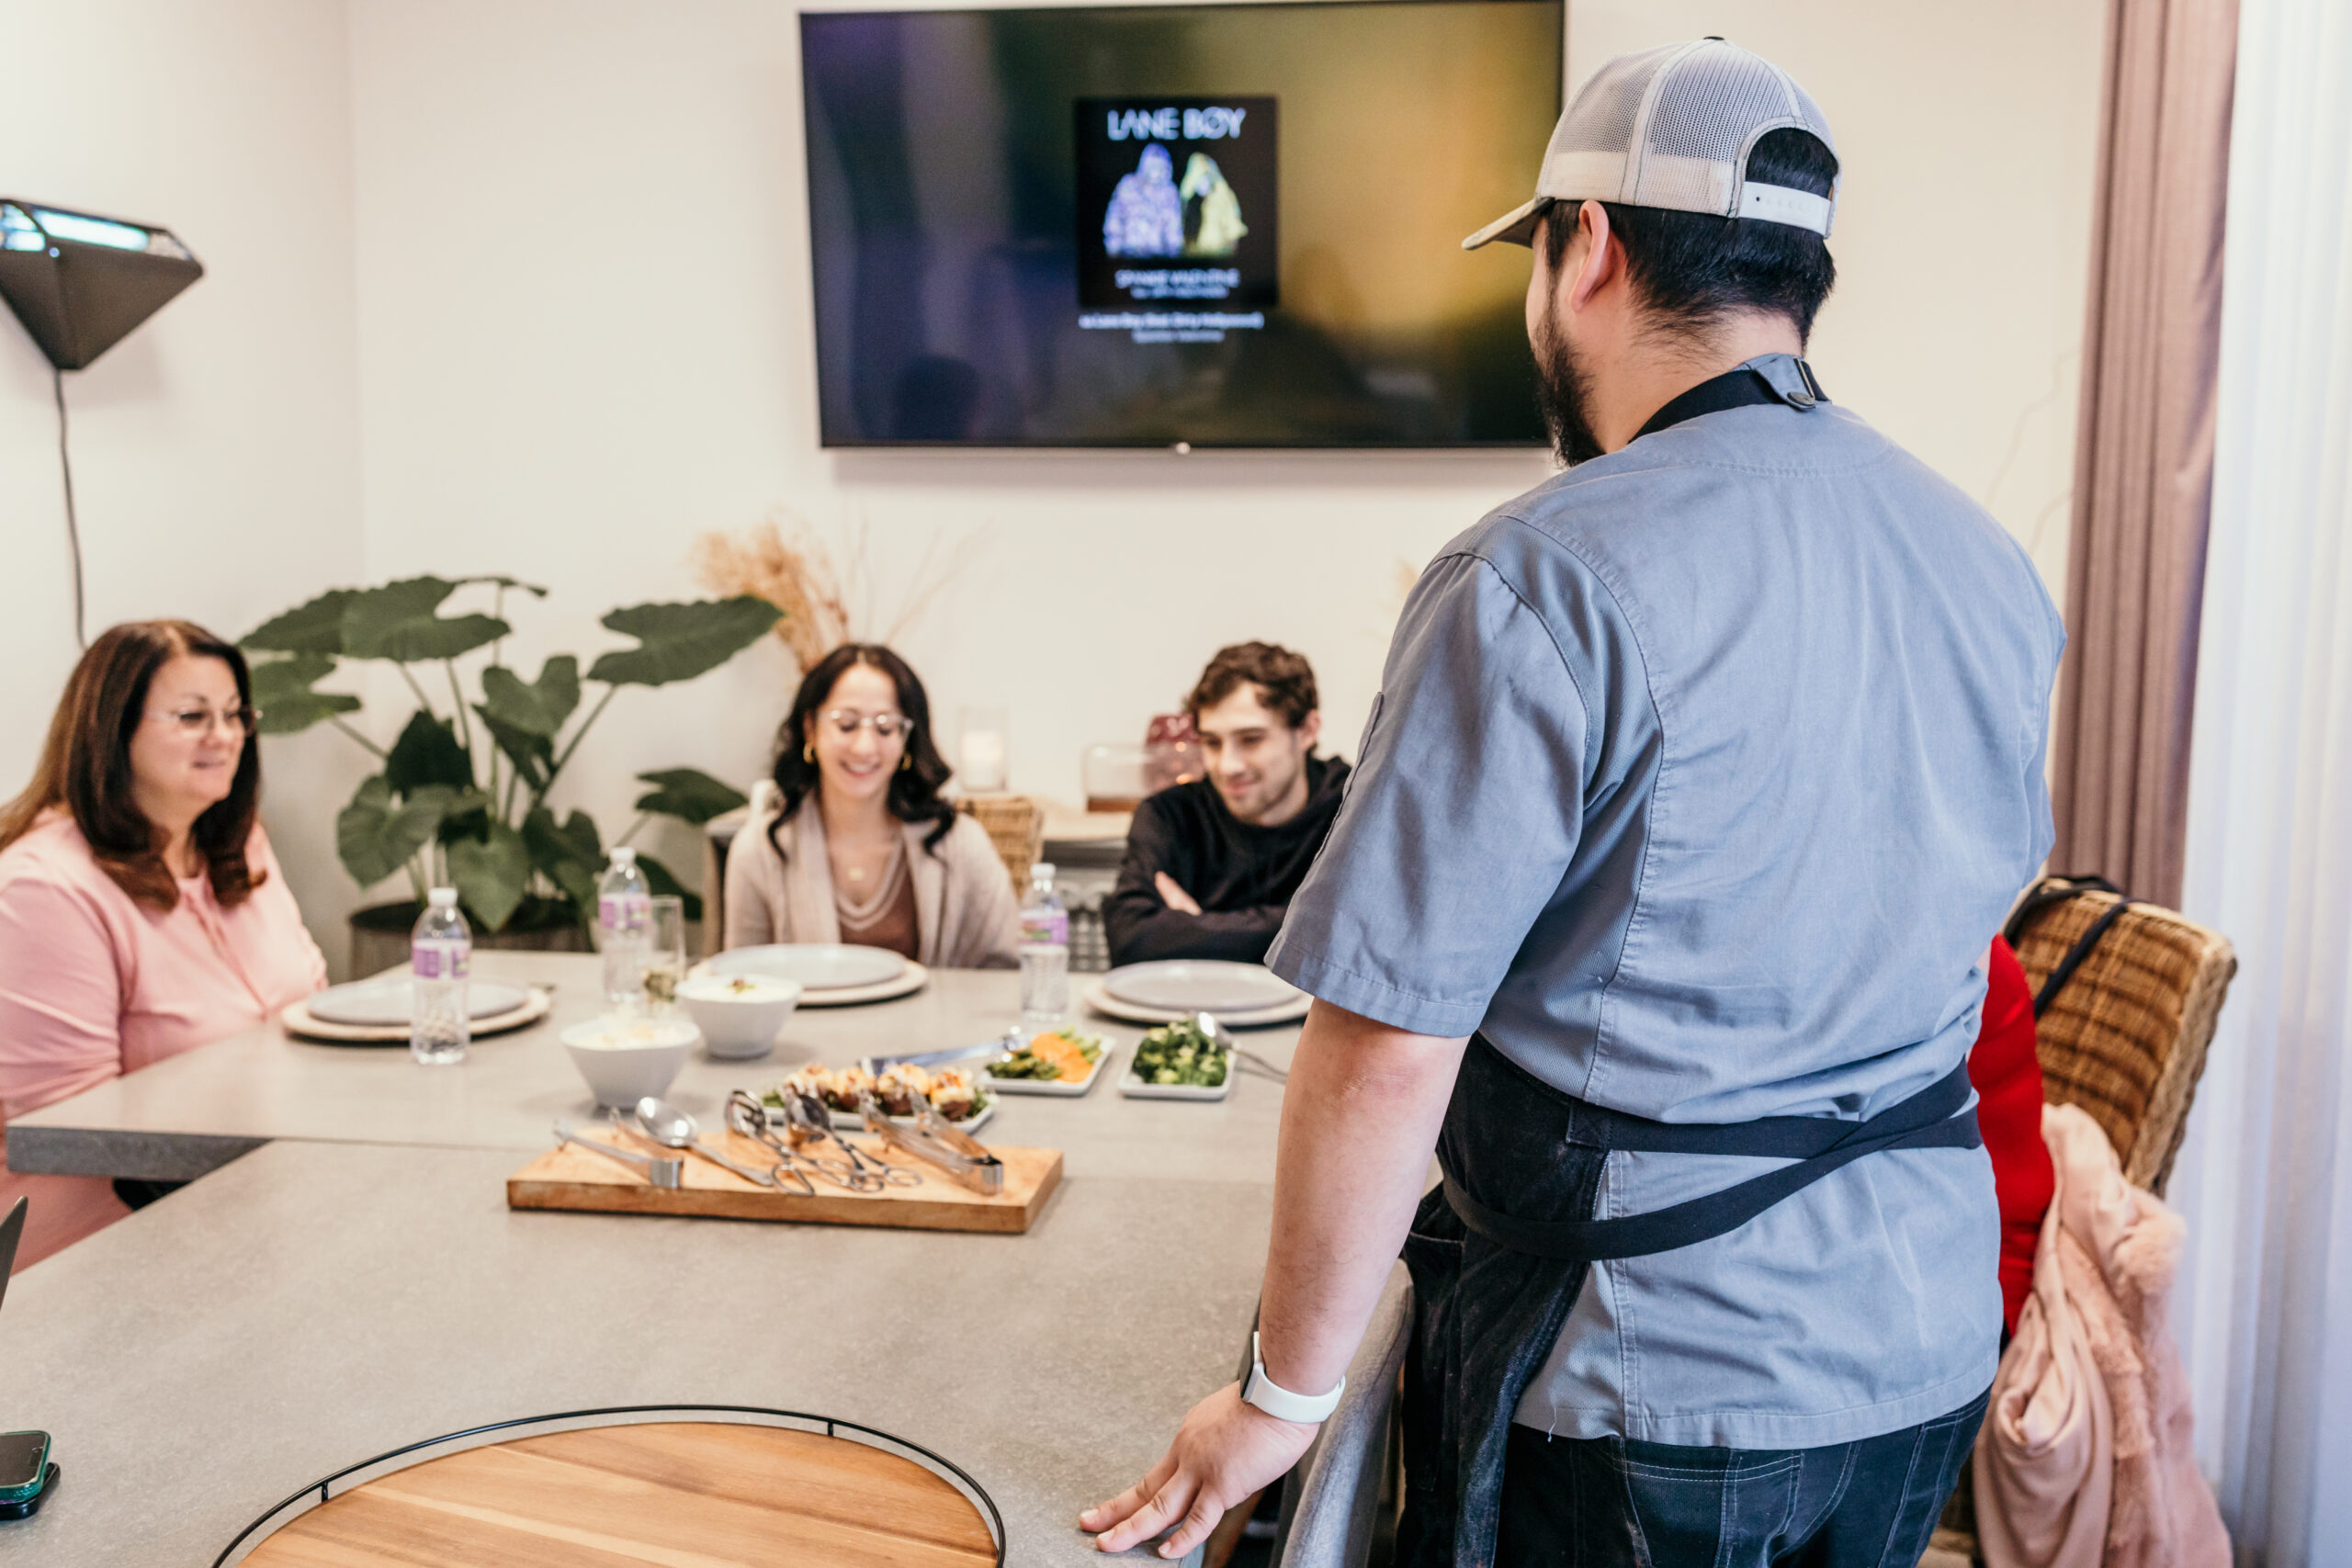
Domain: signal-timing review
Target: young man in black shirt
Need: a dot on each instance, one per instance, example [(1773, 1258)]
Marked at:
[(1211, 864)]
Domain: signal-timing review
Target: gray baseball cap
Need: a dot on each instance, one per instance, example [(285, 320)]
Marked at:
[(1672, 127)]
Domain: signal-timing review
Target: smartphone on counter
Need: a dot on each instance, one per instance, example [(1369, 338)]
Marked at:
[(24, 1464)]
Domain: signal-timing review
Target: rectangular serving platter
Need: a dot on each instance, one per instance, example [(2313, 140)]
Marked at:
[(1135, 1088), (1053, 1086), (573, 1179)]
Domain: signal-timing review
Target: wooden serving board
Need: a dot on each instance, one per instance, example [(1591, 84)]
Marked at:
[(569, 1178), (662, 1495)]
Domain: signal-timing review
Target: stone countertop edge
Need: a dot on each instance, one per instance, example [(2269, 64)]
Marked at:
[(316, 1303)]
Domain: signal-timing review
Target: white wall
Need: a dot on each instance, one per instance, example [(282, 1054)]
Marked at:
[(584, 326), (1968, 140), (569, 237), (609, 350), (216, 449)]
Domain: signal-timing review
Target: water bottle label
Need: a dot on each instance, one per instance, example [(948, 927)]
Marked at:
[(441, 960), (1045, 928), (625, 912)]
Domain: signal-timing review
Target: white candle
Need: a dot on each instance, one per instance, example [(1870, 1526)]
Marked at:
[(983, 760)]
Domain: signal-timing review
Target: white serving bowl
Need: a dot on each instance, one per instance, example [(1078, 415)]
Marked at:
[(625, 1060), (739, 1014)]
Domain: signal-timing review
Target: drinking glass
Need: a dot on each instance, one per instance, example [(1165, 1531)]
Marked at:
[(666, 956)]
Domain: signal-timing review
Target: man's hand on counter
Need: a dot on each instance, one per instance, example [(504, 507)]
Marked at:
[(1222, 1454), (1360, 1113)]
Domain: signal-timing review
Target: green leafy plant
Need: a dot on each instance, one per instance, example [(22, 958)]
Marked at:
[(472, 783)]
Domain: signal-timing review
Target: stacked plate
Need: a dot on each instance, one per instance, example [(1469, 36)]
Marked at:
[(1240, 995), (376, 1012), (828, 974)]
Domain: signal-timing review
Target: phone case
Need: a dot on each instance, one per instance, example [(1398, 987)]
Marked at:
[(31, 1505)]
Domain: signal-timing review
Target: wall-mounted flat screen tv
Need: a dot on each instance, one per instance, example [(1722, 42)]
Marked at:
[(1224, 225)]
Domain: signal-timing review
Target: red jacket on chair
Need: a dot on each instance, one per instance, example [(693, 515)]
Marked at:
[(2007, 1078)]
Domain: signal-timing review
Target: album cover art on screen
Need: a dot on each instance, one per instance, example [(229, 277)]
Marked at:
[(1177, 202)]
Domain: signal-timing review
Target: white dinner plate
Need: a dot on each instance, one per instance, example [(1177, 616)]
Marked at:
[(299, 1022), (1099, 999), (1193, 985), (819, 966), (386, 1000)]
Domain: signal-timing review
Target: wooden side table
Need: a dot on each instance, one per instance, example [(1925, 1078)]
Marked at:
[(717, 1494)]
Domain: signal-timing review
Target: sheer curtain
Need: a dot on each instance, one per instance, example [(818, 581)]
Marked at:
[(2264, 1301)]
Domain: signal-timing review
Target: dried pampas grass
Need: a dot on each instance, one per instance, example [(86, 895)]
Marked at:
[(781, 559)]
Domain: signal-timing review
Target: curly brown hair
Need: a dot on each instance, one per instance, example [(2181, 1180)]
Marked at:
[(1286, 682)]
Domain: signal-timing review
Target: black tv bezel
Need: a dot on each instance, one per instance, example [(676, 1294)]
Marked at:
[(808, 144)]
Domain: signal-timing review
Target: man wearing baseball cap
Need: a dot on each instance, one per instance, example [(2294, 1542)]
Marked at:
[(1700, 778)]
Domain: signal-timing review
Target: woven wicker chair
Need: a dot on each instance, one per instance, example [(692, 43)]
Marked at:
[(2125, 1039), (1016, 825)]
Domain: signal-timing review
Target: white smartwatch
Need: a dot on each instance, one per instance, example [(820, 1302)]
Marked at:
[(1276, 1400)]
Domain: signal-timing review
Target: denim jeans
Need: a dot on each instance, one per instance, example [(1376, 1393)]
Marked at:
[(1608, 1503)]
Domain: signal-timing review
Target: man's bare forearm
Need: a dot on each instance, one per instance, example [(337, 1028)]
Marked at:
[(1361, 1115)]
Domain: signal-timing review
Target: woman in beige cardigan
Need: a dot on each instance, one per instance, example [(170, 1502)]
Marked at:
[(859, 847)]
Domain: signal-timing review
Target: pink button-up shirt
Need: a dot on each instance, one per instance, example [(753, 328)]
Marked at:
[(93, 984)]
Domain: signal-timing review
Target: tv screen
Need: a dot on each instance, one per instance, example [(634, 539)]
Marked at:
[(1228, 225)]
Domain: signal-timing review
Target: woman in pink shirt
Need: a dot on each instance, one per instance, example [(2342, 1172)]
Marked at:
[(141, 913)]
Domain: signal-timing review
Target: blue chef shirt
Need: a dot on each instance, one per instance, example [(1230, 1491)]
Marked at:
[(1701, 778)]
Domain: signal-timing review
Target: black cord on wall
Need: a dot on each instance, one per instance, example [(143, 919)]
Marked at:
[(72, 529)]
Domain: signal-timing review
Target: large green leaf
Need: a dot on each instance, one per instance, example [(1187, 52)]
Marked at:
[(532, 755), (282, 692), (690, 795), (533, 588), (398, 621), (491, 873), (314, 628), (468, 816), (374, 835), (570, 854), (427, 754), (658, 878), (537, 708), (679, 642)]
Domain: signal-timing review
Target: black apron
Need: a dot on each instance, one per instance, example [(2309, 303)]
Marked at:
[(1500, 1252)]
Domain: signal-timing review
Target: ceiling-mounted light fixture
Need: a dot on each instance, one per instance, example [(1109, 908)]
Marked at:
[(80, 282)]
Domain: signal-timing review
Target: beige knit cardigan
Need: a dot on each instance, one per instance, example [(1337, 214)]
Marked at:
[(966, 916)]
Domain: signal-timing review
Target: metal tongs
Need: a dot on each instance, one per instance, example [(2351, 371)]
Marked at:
[(808, 1125), (935, 1141), (747, 1116), (659, 1170)]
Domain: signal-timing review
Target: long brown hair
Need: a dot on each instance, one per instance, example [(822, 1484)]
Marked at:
[(85, 767)]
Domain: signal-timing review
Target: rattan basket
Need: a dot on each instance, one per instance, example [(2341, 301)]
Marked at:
[(1016, 825)]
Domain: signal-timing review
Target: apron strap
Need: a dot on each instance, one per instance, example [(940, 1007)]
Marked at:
[(1932, 1119)]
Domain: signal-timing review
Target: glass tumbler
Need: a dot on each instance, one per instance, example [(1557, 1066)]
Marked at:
[(666, 956)]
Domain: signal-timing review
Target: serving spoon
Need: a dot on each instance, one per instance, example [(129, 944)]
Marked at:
[(671, 1128)]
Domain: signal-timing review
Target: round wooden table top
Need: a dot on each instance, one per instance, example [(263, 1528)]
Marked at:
[(708, 1495)]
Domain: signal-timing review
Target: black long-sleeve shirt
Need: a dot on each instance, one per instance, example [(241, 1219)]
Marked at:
[(1242, 877)]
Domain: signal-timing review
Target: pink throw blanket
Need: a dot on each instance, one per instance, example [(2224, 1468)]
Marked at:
[(2084, 1460)]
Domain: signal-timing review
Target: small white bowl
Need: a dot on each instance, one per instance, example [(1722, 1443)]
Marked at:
[(740, 1014), (625, 1060)]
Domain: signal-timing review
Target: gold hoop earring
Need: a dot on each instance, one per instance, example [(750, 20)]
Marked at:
[(809, 752), (906, 761)]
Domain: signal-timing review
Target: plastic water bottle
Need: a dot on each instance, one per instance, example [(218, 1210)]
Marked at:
[(1045, 954), (624, 913), (440, 950)]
